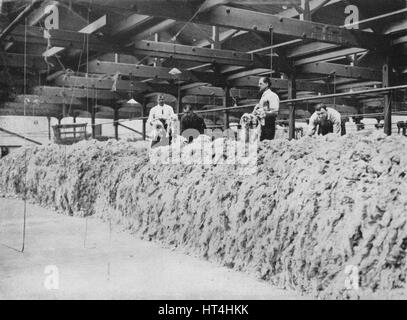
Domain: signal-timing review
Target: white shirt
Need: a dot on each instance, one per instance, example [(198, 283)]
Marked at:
[(333, 116), (269, 101), (160, 112)]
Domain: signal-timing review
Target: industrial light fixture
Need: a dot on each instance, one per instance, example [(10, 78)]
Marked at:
[(132, 101), (175, 71)]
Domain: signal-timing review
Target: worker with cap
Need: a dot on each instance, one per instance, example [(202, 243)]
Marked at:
[(163, 113), (325, 120)]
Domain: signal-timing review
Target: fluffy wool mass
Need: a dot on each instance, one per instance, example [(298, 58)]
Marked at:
[(313, 210)]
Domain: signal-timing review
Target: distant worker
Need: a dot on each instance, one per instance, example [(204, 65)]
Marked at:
[(325, 120), (269, 105), (163, 113), (190, 120)]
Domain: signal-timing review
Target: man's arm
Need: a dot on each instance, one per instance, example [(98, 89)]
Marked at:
[(336, 119), (151, 116), (170, 110), (312, 127)]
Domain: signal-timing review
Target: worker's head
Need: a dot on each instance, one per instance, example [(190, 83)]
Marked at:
[(321, 112), (187, 108), (264, 83), (160, 100)]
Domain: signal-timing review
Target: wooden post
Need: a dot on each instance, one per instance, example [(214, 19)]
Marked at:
[(157, 62), (144, 114), (74, 129), (226, 104), (292, 94), (93, 118), (115, 122), (307, 12), (179, 100), (215, 38), (49, 128), (387, 97)]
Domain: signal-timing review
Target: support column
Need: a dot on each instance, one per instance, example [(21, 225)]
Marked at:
[(226, 104), (215, 38), (157, 62), (49, 128), (59, 120), (180, 96), (307, 12), (387, 97), (144, 114), (74, 129), (93, 118), (115, 122), (292, 94)]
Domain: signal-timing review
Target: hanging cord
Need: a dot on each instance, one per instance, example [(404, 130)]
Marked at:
[(335, 89), (110, 249), (25, 153), (174, 38)]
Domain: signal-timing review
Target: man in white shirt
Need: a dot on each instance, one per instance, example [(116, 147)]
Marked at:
[(270, 104), (162, 112), (325, 120)]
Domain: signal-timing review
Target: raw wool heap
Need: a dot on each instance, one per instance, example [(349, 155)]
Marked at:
[(315, 207)]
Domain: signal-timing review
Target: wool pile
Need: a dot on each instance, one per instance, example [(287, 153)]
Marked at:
[(323, 215)]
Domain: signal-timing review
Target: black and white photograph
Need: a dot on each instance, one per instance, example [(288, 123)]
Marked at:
[(203, 154)]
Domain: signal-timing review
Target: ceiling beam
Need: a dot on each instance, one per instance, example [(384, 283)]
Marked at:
[(62, 38), (129, 24), (308, 49), (242, 19), (111, 84), (163, 25), (148, 72), (252, 81), (16, 60), (205, 55), (341, 70), (328, 56), (78, 93)]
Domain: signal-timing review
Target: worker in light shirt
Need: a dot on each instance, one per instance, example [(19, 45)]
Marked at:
[(269, 106), (325, 120), (161, 112)]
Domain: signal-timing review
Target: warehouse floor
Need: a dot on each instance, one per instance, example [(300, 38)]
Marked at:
[(138, 269)]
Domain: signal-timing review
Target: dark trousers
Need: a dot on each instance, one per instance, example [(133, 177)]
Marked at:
[(325, 127), (268, 131)]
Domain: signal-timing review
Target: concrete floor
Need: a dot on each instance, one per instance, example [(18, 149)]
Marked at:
[(123, 268)]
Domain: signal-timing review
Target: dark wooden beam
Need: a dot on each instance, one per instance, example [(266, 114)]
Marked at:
[(237, 18), (341, 70), (309, 48), (148, 72), (63, 38), (129, 24), (183, 52), (75, 93), (16, 60), (328, 56), (110, 84), (253, 81)]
